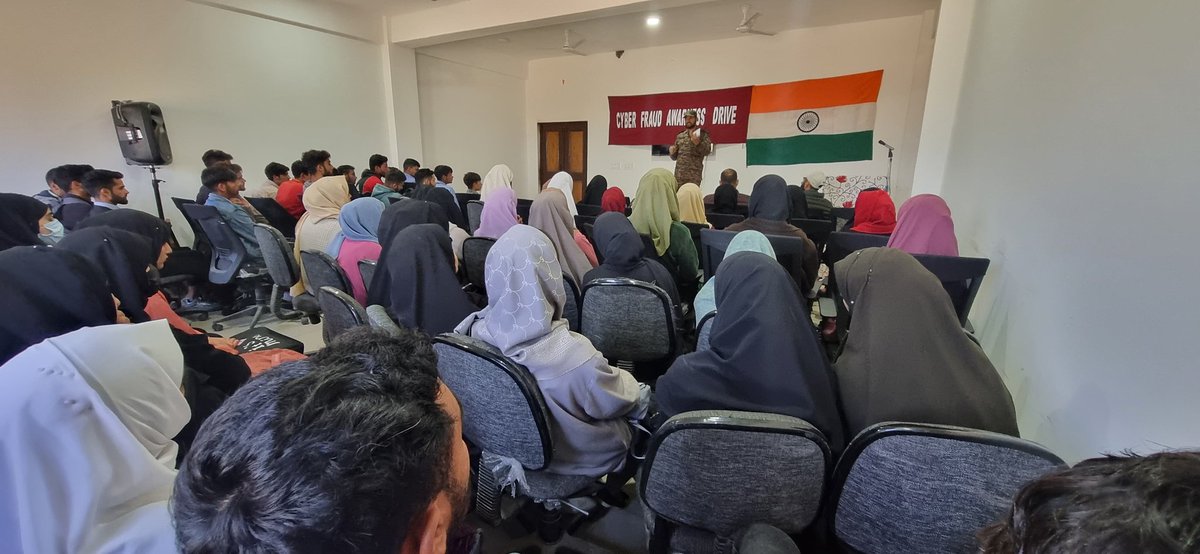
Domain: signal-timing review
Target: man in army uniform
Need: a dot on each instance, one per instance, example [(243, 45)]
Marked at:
[(691, 146)]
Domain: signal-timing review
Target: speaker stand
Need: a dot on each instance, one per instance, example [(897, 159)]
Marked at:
[(154, 183)]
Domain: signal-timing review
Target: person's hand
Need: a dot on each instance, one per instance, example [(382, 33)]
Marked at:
[(520, 220), (695, 136), (225, 345), (238, 200)]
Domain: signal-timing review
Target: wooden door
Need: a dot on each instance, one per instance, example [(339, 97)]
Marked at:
[(563, 147)]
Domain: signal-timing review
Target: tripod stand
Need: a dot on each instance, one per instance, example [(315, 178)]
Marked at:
[(154, 183)]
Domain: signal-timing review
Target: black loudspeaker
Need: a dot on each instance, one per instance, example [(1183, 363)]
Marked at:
[(141, 133)]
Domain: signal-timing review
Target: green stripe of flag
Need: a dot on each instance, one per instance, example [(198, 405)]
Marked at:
[(806, 149)]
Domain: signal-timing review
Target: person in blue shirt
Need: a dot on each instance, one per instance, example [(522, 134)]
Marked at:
[(445, 177), (222, 183), (410, 168)]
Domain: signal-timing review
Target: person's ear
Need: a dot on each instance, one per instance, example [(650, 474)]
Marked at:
[(429, 532)]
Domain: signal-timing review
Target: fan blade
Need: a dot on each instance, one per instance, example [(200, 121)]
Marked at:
[(750, 22), (757, 32)]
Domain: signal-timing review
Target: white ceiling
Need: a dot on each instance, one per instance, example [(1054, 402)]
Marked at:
[(707, 21), (396, 7)]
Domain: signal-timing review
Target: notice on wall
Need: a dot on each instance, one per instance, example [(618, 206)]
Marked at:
[(650, 119)]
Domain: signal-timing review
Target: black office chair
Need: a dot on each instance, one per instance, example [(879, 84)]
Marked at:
[(230, 263), (474, 252), (842, 218), (589, 210), (342, 313), (276, 215), (464, 198), (694, 229), (841, 244), (199, 242), (366, 268), (818, 230), (581, 220), (571, 309), (322, 270), (721, 221), (789, 251), (960, 276), (523, 206)]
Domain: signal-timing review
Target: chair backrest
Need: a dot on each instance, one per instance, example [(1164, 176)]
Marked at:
[(474, 252), (695, 229), (276, 214), (322, 270), (277, 253), (523, 206), (589, 210), (504, 412), (571, 309), (648, 249), (463, 198), (378, 317), (474, 214), (228, 252), (721, 221), (628, 320), (842, 244), (199, 242), (581, 220), (909, 487), (366, 268), (341, 312), (704, 330), (818, 230), (842, 218), (789, 250), (960, 276), (698, 471)]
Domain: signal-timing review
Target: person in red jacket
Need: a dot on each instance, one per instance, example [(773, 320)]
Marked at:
[(291, 192), (379, 168)]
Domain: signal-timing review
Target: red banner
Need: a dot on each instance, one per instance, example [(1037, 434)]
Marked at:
[(656, 118)]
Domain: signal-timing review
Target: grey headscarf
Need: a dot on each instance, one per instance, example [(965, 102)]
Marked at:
[(906, 356), (549, 214)]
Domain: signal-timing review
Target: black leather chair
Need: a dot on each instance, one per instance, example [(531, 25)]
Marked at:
[(960, 276), (721, 221), (285, 272), (523, 209), (841, 244), (366, 268), (571, 310), (230, 263), (842, 218), (474, 252), (474, 211), (322, 270), (199, 242), (589, 210), (789, 251), (276, 215), (818, 230)]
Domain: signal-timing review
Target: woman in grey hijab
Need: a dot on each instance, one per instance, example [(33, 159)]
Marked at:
[(589, 400), (906, 357), (549, 214)]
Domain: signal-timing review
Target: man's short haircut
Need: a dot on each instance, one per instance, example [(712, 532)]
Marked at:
[(409, 162), (213, 157), (65, 174), (275, 169), (728, 176), (376, 160), (300, 168), (217, 174), (315, 158), (422, 174), (50, 175), (394, 176), (441, 171), (100, 179), (232, 166), (344, 169), (342, 452), (1106, 505), (471, 178)]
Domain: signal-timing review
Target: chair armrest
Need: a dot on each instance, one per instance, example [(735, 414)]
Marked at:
[(827, 306)]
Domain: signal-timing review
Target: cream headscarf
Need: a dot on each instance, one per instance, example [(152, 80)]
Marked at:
[(691, 204), (563, 181), (500, 176), (322, 200)]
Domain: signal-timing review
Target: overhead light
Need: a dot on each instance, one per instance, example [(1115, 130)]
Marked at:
[(653, 21)]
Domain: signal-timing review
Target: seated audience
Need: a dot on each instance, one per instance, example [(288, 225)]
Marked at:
[(589, 400), (745, 241), (377, 168), (277, 174), (624, 255), (223, 183), (549, 214), (421, 290), (24, 221), (500, 176), (472, 181), (347, 173), (52, 197), (358, 240), (1108, 505), (77, 204), (107, 189), (291, 192), (563, 181), (906, 357), (375, 462), (874, 212), (400, 215), (87, 454), (924, 226), (429, 192), (410, 168), (763, 354), (769, 212), (211, 158), (444, 178), (499, 214), (818, 206), (691, 205), (239, 200), (798, 202), (390, 189), (318, 226), (593, 194), (614, 201), (727, 199), (656, 213)]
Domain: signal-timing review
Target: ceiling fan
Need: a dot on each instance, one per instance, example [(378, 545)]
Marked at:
[(747, 25), (568, 47)]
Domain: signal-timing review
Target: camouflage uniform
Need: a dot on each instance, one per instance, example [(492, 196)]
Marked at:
[(689, 158)]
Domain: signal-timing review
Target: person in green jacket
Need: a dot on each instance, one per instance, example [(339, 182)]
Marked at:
[(389, 191), (656, 213)]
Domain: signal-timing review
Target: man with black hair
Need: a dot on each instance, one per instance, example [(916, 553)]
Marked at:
[(53, 195), (410, 168), (378, 168), (276, 173), (77, 203), (347, 171), (445, 177), (356, 449), (291, 192), (214, 157), (472, 181), (239, 200), (224, 185), (392, 189), (424, 178), (319, 164), (107, 189)]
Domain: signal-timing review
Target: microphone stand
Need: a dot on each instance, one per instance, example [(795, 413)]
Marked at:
[(891, 153)]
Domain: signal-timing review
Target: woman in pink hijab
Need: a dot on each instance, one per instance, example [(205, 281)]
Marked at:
[(924, 226)]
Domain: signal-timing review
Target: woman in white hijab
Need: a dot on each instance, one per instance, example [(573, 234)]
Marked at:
[(87, 452), (589, 400), (563, 181), (500, 176)]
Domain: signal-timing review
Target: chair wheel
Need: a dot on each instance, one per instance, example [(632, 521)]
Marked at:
[(218, 327), (201, 316)]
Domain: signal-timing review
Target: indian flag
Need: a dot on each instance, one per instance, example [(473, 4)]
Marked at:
[(813, 121)]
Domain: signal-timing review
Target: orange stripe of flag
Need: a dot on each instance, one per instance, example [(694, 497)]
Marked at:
[(817, 93)]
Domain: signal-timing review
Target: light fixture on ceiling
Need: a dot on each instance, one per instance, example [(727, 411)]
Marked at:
[(653, 21)]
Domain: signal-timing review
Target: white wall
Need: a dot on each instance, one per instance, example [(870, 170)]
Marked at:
[(259, 89), (576, 88), (941, 102), (1073, 168)]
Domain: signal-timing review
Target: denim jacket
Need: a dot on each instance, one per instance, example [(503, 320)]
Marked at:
[(239, 221)]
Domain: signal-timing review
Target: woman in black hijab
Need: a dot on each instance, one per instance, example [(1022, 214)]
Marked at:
[(593, 195), (124, 257), (623, 252), (798, 202), (20, 220), (446, 200), (770, 207), (906, 357), (183, 261), (763, 354), (422, 289), (396, 218), (725, 199), (47, 292)]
